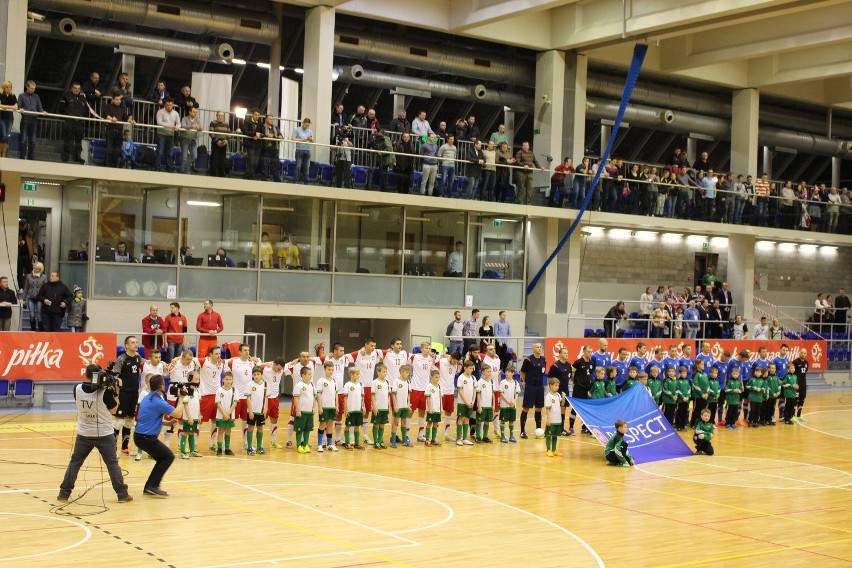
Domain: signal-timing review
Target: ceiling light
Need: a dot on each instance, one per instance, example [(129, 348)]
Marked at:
[(204, 203), (619, 233), (240, 112), (766, 243), (299, 70), (236, 61), (808, 248), (263, 65)]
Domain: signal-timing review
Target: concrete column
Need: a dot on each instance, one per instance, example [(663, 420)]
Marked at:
[(11, 210), (13, 45), (741, 272), (549, 104), (606, 131), (398, 105), (767, 161), (316, 81), (835, 171), (744, 122), (574, 102), (509, 121), (128, 65), (542, 318), (692, 149), (273, 81)]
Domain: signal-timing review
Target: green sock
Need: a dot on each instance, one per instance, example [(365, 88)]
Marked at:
[(381, 431), (375, 431), (227, 441), (191, 441), (485, 430), (434, 432), (554, 439), (357, 437), (405, 434), (502, 430), (259, 439), (459, 431), (465, 431), (248, 439), (479, 430), (346, 436), (428, 433), (512, 429), (218, 446), (183, 443)]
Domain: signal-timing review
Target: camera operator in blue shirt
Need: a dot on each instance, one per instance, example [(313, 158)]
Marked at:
[(151, 411)]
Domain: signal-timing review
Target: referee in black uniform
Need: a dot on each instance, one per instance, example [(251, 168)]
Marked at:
[(561, 369), (583, 370), (127, 366), (532, 375)]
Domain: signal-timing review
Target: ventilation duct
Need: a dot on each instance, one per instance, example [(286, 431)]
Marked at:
[(178, 15), (431, 57), (68, 28), (478, 93), (683, 122)]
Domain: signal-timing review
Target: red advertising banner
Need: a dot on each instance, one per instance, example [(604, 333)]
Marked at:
[(53, 356), (817, 351)]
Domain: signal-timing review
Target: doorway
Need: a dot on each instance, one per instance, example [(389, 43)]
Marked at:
[(34, 227), (702, 261), (497, 257)]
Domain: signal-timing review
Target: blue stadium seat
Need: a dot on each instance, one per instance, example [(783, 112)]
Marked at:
[(326, 173), (15, 143), (97, 152), (202, 163), (415, 182), (359, 176), (24, 389), (238, 162), (588, 332)]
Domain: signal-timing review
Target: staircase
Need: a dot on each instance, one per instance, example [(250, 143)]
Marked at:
[(59, 396)]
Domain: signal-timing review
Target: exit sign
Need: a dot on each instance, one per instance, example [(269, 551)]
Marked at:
[(706, 245), (30, 201), (497, 222), (30, 186)]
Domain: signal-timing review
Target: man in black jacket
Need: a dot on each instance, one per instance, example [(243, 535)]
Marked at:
[(404, 163), (55, 297), (841, 308), (116, 113), (185, 101), (73, 104), (252, 128), (8, 298), (92, 89)]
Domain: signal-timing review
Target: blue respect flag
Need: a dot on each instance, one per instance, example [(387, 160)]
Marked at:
[(649, 434)]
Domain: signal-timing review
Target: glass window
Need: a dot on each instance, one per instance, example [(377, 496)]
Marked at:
[(496, 248), (216, 222), (368, 238), (430, 239), (299, 232), (74, 233)]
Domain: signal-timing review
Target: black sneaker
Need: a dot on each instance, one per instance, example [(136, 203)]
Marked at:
[(229, 452), (155, 492), (487, 440), (63, 497), (218, 452), (524, 435)]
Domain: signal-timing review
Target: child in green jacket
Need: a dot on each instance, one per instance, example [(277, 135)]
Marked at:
[(598, 385), (609, 384), (714, 390), (773, 391), (682, 391), (669, 395), (733, 396), (756, 387), (704, 433), (791, 393), (655, 384), (700, 392), (616, 448)]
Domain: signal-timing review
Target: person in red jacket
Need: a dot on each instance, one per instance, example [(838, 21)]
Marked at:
[(209, 325), (175, 326), (153, 328)]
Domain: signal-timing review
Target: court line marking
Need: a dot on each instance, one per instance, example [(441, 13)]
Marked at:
[(448, 518), (582, 542), (326, 513), (308, 556), (80, 542), (757, 553), (804, 425)]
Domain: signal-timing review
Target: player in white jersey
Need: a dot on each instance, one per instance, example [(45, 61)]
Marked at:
[(227, 398), (381, 407), (491, 359), (273, 371), (191, 417), (294, 369), (508, 410), (179, 370), (355, 408), (304, 398), (341, 360), (210, 370), (553, 416), (365, 360), (465, 409), (326, 405), (242, 368), (421, 367), (433, 408), (401, 405), (256, 410), (485, 408), (449, 365)]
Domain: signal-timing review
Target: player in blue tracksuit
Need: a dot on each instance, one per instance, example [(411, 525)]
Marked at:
[(621, 364)]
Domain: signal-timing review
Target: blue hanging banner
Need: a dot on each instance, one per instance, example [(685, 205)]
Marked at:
[(649, 435)]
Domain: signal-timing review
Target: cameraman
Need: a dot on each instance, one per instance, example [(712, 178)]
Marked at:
[(94, 430), (127, 367), (151, 411)]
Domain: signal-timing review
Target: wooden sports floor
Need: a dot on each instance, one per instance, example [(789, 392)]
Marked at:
[(773, 496)]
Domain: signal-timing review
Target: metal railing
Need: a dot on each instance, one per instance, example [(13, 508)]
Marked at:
[(256, 341), (597, 305)]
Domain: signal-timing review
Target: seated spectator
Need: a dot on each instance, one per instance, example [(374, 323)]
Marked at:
[(122, 254), (148, 255), (160, 94), (223, 254), (128, 151), (613, 317)]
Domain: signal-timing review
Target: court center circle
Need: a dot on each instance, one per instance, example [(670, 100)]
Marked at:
[(86, 536)]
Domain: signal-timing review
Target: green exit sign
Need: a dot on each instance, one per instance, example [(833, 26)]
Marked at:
[(497, 222), (30, 202), (30, 186), (706, 245)]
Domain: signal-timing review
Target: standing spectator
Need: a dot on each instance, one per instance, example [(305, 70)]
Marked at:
[(338, 118), (459, 130), (124, 88), (525, 158), (841, 309), (660, 321), (821, 307), (29, 101), (160, 94), (8, 104), (175, 326), (116, 114), (209, 325), (582, 181), (476, 159), (832, 210), (717, 321), (470, 330), (184, 101), (787, 206), (420, 127), (441, 133), (169, 122), (646, 302), (761, 199), (455, 331), (54, 297), (219, 145), (726, 300), (815, 206), (92, 89), (270, 166), (504, 159), (691, 320), (252, 129), (500, 136), (709, 278), (447, 154), (455, 261), (761, 330), (32, 287), (343, 160), (489, 172), (429, 151), (189, 129), (385, 158), (153, 328), (73, 104), (561, 179), (472, 129), (486, 334), (502, 334), (403, 167), (303, 136), (400, 124), (613, 317), (8, 298), (76, 316), (372, 121), (776, 331)]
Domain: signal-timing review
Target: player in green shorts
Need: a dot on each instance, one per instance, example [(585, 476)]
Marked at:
[(433, 407), (353, 391), (326, 390), (508, 407), (226, 401), (485, 410), (464, 409), (304, 398), (381, 407), (401, 390), (552, 417)]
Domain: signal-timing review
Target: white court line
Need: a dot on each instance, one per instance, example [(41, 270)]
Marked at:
[(740, 470), (450, 511), (309, 556), (804, 425), (80, 542), (326, 513)]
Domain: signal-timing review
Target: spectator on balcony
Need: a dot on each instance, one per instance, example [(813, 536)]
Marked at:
[(447, 153), (459, 130), (504, 159), (660, 321), (691, 320), (73, 104), (116, 114), (338, 118), (821, 308), (489, 172), (667, 201), (562, 177), (169, 122), (8, 104), (832, 210), (122, 254), (123, 87), (815, 206), (304, 137), (582, 181), (702, 163), (219, 145), (190, 127), (761, 199), (252, 129), (476, 159), (776, 331), (499, 136), (472, 129), (716, 321), (726, 300), (441, 133), (455, 261), (128, 151), (841, 308), (646, 302), (372, 120), (502, 335), (400, 124), (420, 127), (725, 198), (270, 164), (676, 160), (184, 101), (93, 89), (54, 296), (153, 328), (651, 190), (403, 166), (525, 158), (386, 158), (613, 317), (708, 199), (761, 330), (160, 95), (343, 159), (359, 119), (429, 151)]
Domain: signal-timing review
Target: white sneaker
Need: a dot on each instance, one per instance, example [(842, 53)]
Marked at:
[(184, 456), (332, 448), (468, 443), (368, 441), (138, 457), (802, 419), (320, 449), (459, 442), (421, 438)]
